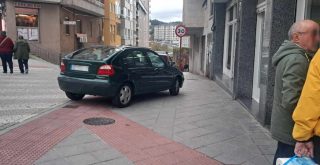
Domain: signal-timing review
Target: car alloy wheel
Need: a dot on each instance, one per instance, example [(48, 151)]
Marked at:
[(125, 95)]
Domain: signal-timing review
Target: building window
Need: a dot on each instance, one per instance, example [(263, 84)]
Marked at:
[(67, 27), (79, 26), (27, 22)]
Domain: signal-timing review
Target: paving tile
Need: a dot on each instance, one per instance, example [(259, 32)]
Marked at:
[(193, 133), (83, 159), (78, 139), (237, 156), (55, 162), (259, 160), (106, 154), (269, 158), (121, 161), (267, 150), (51, 155)]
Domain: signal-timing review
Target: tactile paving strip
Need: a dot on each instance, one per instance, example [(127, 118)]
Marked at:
[(26, 144)]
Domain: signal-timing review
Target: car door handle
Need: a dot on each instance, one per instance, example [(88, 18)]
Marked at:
[(157, 69)]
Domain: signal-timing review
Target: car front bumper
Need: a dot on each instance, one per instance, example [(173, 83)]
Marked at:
[(96, 87)]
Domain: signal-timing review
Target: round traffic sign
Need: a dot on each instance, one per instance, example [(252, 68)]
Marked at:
[(181, 31)]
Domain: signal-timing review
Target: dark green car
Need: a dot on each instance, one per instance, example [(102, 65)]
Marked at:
[(117, 73)]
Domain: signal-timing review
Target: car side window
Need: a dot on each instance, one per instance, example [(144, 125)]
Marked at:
[(156, 60), (135, 59)]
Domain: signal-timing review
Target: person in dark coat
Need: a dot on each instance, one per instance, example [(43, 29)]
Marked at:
[(291, 63), (6, 50), (21, 52)]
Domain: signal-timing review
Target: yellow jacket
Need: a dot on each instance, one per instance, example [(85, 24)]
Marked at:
[(307, 112)]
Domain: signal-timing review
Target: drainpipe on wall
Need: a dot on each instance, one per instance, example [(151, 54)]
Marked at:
[(213, 29)]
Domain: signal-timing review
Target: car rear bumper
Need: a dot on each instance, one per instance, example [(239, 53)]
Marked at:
[(87, 86)]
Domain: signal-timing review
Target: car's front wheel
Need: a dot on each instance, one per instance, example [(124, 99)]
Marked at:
[(174, 91), (123, 97), (74, 96)]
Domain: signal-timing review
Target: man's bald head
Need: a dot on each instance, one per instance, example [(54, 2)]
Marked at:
[(305, 33), (300, 27)]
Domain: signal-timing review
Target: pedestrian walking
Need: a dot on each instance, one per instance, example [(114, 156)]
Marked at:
[(6, 50), (292, 63), (21, 53)]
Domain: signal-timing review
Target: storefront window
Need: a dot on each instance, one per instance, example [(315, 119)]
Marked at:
[(315, 11), (308, 9), (27, 22)]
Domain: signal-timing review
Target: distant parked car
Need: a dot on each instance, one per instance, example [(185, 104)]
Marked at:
[(166, 57), (118, 73)]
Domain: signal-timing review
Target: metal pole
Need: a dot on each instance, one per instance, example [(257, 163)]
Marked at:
[(180, 53)]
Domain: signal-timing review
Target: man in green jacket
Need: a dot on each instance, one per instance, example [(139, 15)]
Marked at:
[(292, 63), (21, 52)]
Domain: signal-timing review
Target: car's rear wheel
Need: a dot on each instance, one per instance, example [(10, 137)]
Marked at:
[(123, 97), (74, 96), (174, 91)]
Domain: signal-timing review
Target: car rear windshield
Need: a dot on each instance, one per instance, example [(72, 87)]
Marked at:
[(94, 53)]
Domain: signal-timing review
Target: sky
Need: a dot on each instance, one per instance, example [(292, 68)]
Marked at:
[(166, 10)]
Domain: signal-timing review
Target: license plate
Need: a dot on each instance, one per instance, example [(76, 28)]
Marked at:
[(80, 68)]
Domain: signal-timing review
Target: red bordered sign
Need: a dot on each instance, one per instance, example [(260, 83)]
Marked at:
[(181, 30)]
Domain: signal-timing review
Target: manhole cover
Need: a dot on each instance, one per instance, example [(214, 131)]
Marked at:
[(99, 121)]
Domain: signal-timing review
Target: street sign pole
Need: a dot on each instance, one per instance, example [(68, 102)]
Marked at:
[(181, 31), (180, 53)]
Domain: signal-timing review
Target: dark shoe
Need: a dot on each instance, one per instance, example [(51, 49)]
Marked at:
[(11, 72), (4, 72), (27, 71)]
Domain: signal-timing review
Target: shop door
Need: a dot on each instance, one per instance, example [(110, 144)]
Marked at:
[(230, 40), (258, 53)]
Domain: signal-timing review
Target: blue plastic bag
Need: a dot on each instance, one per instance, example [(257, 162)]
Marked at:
[(300, 161)]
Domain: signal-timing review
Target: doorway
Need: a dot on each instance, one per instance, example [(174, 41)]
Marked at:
[(230, 40), (203, 52), (258, 52)]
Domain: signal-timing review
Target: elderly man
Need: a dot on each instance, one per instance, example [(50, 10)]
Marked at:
[(292, 63)]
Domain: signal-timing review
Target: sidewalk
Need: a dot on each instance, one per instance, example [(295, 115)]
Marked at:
[(203, 125), (26, 96)]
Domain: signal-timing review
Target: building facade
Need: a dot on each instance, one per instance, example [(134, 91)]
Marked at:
[(142, 23), (246, 35), (198, 17), (112, 22), (128, 22), (166, 33), (54, 27), (135, 20)]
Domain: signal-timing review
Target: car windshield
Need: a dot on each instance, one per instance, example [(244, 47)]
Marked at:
[(94, 53)]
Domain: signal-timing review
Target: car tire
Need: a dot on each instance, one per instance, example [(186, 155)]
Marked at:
[(123, 97), (174, 91), (74, 96)]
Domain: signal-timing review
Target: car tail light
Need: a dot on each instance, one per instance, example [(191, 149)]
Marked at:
[(62, 67), (106, 70)]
